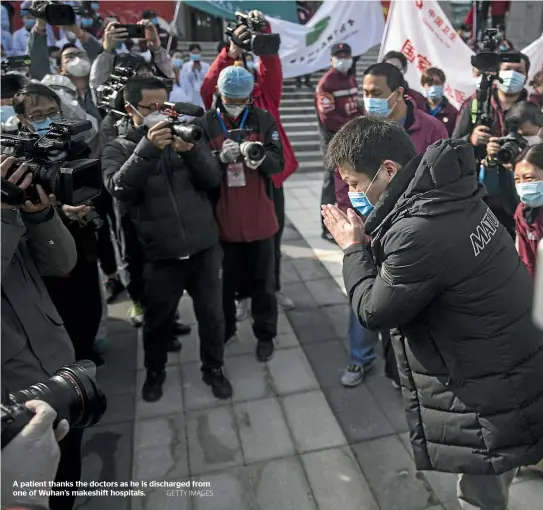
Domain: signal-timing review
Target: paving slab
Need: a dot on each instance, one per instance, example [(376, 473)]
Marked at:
[(283, 324), (281, 485), (311, 326), (309, 269), (263, 430), (120, 408), (325, 292), (286, 341), (291, 372), (312, 422), (337, 481), (158, 499), (190, 352), (339, 318), (250, 379), (213, 441), (231, 490), (392, 475), (170, 403), (526, 495), (300, 295), (289, 274), (197, 394), (159, 431), (328, 360), (358, 413), (389, 399), (165, 462)]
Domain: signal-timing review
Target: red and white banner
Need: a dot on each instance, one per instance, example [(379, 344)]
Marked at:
[(422, 32)]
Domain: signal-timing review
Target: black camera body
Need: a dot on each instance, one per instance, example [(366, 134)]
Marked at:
[(511, 146), (72, 182), (55, 13), (187, 132), (251, 150), (257, 43), (15, 64), (72, 392), (109, 95)]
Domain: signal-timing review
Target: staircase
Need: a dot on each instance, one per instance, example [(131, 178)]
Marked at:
[(298, 109)]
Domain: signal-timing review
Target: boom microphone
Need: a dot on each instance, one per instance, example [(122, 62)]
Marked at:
[(186, 109)]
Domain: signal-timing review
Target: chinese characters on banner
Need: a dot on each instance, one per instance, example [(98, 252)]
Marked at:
[(422, 32)]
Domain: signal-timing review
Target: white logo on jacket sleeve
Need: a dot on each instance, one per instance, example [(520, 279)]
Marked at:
[(275, 136), (484, 232)]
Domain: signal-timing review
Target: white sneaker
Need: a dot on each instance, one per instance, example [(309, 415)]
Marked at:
[(284, 302), (243, 309)]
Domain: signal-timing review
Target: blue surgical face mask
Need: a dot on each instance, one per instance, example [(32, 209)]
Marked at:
[(154, 21), (378, 106), (177, 62), (43, 126), (360, 200), (87, 22), (95, 6), (435, 92), (29, 23), (512, 82), (6, 112), (531, 193), (195, 57)]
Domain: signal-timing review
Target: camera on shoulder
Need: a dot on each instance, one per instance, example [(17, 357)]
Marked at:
[(72, 182), (256, 42)]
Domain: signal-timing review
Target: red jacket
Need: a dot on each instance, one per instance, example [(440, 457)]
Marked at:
[(423, 130), (447, 115), (417, 97), (528, 234), (266, 95), (336, 102)]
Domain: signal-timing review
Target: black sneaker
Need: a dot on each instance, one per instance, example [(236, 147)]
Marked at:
[(152, 387), (174, 345), (113, 288), (220, 385), (180, 329), (264, 350)]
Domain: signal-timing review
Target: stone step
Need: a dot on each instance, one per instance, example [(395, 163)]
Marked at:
[(315, 156), (293, 117), (304, 102), (300, 110), (310, 134), (302, 126), (306, 145), (310, 166)]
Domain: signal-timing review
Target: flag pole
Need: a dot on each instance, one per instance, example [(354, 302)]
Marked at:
[(175, 19)]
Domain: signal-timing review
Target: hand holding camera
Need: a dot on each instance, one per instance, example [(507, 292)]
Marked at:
[(179, 145), (151, 34), (242, 33), (230, 151), (160, 135), (480, 136), (493, 147), (113, 35), (33, 454)]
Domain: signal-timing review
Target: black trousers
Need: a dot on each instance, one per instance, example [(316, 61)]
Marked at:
[(328, 194), (106, 251), (165, 282), (132, 256), (279, 202), (256, 261), (78, 301), (69, 468)]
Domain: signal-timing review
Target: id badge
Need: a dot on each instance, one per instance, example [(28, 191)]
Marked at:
[(236, 175)]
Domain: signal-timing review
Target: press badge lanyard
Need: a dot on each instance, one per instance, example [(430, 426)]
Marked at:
[(436, 110), (223, 125)]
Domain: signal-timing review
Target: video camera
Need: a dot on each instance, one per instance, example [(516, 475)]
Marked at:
[(187, 132), (253, 151), (109, 95), (257, 43), (72, 182), (72, 392), (55, 13)]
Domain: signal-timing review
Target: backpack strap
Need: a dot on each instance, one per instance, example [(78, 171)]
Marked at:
[(474, 108)]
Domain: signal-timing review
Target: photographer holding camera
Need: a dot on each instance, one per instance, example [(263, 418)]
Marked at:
[(267, 96), (164, 181), (247, 143)]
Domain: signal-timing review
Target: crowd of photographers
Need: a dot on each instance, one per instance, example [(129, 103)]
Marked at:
[(115, 141)]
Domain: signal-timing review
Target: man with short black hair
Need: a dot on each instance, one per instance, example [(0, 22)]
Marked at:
[(163, 183), (443, 270)]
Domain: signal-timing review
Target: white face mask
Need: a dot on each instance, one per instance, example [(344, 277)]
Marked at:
[(533, 140), (78, 67), (342, 64), (234, 110)]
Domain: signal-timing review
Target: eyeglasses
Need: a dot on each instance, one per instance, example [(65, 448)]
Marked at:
[(40, 117)]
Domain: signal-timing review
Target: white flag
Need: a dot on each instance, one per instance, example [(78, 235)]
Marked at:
[(535, 52), (306, 48), (422, 32)]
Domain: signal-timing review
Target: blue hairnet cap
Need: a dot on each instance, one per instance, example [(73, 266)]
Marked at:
[(235, 82)]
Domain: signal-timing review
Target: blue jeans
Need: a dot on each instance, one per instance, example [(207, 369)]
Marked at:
[(361, 342)]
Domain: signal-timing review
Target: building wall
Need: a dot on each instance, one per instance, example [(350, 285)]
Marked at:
[(525, 23)]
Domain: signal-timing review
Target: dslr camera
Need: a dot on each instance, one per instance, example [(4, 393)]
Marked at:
[(253, 151), (53, 12), (73, 182), (187, 132), (256, 42), (511, 146), (72, 392)]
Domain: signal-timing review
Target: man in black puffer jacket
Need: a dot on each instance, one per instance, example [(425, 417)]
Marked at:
[(445, 272), (164, 182)]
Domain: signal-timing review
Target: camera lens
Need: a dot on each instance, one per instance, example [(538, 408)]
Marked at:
[(253, 151), (189, 134), (72, 392), (508, 153)]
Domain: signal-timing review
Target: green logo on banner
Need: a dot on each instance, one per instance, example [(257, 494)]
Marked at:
[(318, 29)]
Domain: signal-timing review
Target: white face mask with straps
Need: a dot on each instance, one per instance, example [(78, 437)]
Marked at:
[(152, 119)]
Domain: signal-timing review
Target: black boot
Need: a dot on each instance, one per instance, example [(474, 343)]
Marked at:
[(174, 345), (220, 385), (113, 288), (152, 387), (180, 329), (264, 350)]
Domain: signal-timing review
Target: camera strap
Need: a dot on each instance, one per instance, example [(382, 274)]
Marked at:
[(223, 125)]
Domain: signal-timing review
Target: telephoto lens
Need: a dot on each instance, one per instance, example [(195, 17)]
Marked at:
[(187, 132), (252, 150), (72, 392)]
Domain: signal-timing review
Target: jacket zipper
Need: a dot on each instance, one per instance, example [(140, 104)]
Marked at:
[(174, 203)]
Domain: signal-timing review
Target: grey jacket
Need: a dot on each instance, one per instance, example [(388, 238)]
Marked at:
[(34, 341), (39, 53)]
